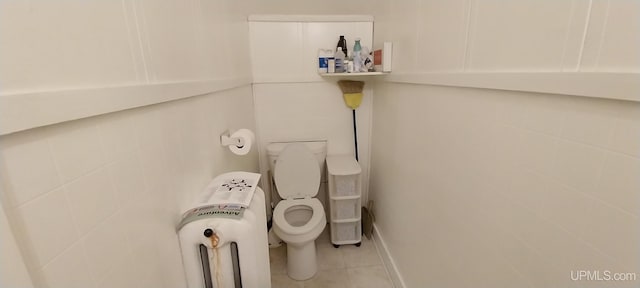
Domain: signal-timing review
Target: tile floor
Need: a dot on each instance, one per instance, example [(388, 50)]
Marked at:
[(345, 267)]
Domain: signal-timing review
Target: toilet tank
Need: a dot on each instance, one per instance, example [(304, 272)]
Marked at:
[(318, 148)]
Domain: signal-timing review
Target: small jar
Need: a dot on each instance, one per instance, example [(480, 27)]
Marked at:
[(349, 65)]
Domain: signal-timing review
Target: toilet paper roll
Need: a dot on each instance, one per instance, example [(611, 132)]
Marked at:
[(248, 138)]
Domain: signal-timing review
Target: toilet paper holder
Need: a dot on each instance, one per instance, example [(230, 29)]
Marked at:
[(227, 140)]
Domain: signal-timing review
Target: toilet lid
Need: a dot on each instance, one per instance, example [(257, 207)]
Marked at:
[(297, 174)]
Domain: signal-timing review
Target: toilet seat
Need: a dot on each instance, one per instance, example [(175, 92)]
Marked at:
[(297, 174), (317, 216)]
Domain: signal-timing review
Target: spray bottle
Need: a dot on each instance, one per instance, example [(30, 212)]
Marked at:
[(357, 59)]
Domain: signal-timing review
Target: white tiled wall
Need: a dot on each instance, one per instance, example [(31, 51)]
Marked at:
[(507, 189), (13, 272), (513, 181), (80, 44), (292, 55), (304, 7), (94, 202), (488, 35), (50, 48), (293, 102)]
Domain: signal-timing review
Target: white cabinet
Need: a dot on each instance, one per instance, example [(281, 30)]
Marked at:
[(344, 199)]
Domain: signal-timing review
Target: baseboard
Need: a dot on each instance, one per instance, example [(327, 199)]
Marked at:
[(389, 264)]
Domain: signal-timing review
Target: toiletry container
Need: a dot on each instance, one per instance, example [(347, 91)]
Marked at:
[(357, 59), (323, 61), (339, 59), (342, 44), (331, 64)]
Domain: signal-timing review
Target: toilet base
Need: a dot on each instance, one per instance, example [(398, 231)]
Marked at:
[(301, 261)]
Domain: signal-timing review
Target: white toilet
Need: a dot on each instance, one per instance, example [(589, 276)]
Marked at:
[(299, 218)]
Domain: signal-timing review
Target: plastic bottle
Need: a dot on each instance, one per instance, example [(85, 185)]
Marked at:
[(322, 61), (367, 59), (332, 65), (331, 61), (339, 56), (357, 60), (342, 44)]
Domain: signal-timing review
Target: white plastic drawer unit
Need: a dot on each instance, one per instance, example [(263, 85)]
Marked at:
[(347, 185), (346, 209), (344, 176), (346, 233), (344, 199)]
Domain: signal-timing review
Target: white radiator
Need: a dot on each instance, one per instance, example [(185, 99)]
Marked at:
[(221, 252)]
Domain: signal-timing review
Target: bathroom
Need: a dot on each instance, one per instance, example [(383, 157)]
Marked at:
[(503, 149)]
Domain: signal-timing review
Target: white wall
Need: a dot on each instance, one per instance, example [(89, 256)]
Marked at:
[(310, 7), (74, 60), (93, 202), (503, 188), (78, 44), (531, 36), (13, 272), (292, 102), (287, 50)]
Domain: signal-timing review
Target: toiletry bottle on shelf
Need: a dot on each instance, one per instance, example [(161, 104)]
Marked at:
[(339, 58), (323, 61), (331, 61), (342, 44), (357, 59), (367, 59)]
